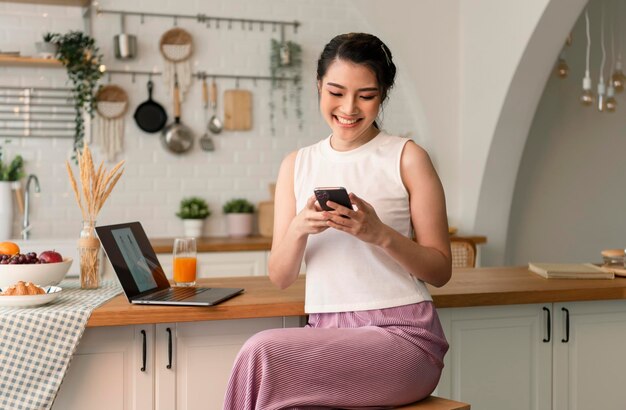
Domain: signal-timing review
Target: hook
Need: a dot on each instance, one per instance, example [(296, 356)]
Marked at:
[(250, 26), (208, 23), (201, 17), (142, 19), (230, 24), (217, 23), (295, 27), (175, 21)]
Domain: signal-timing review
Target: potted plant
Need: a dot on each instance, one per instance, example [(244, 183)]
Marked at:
[(78, 53), (239, 217), (46, 48), (10, 172), (193, 211)]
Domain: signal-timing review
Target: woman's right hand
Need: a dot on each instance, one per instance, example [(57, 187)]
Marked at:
[(311, 219)]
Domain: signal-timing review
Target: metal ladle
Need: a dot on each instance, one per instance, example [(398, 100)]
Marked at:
[(206, 142), (215, 124)]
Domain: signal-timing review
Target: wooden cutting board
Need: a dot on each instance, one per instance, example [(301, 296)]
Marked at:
[(237, 110)]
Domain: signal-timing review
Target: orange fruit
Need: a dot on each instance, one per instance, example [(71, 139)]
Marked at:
[(9, 248)]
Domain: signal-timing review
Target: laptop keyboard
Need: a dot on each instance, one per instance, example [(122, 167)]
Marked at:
[(177, 293)]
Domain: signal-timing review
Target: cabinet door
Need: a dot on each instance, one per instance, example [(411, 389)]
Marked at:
[(204, 353), (589, 365), (105, 372), (498, 358), (220, 264)]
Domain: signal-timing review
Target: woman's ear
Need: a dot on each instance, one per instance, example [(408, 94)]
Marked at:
[(319, 87)]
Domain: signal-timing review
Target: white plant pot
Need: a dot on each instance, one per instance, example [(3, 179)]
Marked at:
[(239, 224), (193, 227), (45, 49), (6, 210)]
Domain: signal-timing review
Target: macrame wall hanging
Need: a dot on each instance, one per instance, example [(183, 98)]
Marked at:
[(176, 47), (112, 104)]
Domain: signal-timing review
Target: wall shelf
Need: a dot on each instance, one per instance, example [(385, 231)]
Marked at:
[(29, 61)]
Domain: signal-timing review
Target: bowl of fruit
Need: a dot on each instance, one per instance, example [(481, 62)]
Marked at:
[(47, 268)]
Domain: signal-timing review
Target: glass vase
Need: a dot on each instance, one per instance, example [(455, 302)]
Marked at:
[(89, 251)]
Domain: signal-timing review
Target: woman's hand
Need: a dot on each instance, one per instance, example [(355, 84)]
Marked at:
[(311, 219), (362, 223)]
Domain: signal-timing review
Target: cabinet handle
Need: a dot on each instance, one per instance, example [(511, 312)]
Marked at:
[(169, 348), (566, 339), (547, 339), (143, 352)]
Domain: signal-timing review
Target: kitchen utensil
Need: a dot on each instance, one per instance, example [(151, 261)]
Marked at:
[(150, 116), (177, 137), (206, 142), (124, 45), (215, 125), (237, 110), (112, 104), (176, 47)]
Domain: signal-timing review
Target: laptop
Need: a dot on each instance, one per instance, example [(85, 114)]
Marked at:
[(141, 275)]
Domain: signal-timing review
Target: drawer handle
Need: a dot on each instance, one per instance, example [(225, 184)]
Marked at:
[(547, 339), (143, 352), (566, 339), (169, 348)]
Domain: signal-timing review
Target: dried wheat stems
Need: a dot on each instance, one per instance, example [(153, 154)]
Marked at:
[(96, 185)]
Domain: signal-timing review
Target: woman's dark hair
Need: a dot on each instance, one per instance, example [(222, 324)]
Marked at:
[(360, 48)]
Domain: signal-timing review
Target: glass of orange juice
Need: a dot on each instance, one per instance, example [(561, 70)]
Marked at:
[(185, 261)]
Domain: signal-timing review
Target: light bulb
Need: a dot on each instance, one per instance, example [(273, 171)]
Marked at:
[(618, 77), (587, 96), (611, 102), (562, 69), (601, 96)]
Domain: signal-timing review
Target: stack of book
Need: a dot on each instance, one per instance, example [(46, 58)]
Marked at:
[(570, 271)]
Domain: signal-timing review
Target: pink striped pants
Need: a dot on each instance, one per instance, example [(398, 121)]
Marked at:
[(365, 359)]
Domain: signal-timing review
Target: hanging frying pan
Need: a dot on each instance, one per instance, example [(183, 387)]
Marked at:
[(150, 116), (177, 137)]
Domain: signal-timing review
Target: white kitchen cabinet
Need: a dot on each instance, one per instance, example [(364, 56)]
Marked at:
[(589, 365), (202, 357), (106, 371), (222, 264), (513, 357), (498, 358)]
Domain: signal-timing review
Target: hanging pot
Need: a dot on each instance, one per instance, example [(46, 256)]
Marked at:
[(177, 137), (124, 45)]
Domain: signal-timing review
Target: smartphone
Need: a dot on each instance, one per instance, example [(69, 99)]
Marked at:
[(338, 195)]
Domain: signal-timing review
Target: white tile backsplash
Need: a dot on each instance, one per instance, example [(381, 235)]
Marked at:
[(243, 164)]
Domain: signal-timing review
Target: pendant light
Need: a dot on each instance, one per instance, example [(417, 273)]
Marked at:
[(611, 102), (617, 79), (601, 85), (562, 69), (587, 96)]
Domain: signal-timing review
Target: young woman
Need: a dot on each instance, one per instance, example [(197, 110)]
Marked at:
[(373, 338)]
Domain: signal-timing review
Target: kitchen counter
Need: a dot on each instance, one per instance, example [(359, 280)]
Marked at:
[(467, 288), (249, 243)]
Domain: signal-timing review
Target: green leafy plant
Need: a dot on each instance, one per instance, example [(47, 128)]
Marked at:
[(292, 88), (78, 53), (13, 170), (238, 206), (193, 208)]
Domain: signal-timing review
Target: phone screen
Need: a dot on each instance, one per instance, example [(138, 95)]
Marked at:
[(338, 195)]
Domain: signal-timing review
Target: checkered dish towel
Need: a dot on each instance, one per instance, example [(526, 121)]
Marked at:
[(37, 344)]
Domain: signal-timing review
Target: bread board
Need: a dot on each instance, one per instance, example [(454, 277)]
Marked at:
[(237, 110)]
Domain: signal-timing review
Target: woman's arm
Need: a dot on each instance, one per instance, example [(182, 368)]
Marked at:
[(290, 230), (428, 257)]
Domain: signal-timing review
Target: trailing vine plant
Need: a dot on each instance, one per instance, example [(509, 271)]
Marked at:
[(78, 53), (292, 88)]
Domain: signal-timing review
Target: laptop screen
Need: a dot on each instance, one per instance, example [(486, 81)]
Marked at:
[(133, 258)]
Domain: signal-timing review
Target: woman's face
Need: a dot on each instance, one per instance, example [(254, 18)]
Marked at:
[(349, 102)]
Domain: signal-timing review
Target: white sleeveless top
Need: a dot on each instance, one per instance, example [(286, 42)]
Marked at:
[(344, 273)]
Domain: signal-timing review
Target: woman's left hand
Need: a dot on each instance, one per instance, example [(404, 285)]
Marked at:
[(362, 223)]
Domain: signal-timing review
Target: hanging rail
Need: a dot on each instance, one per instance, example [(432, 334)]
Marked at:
[(204, 19), (200, 75)]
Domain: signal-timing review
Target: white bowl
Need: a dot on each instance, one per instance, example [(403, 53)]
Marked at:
[(42, 274)]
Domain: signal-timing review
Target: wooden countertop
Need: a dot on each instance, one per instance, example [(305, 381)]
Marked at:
[(468, 287), (249, 243)]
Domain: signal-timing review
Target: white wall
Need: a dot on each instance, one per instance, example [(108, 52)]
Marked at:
[(570, 192), (243, 164)]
